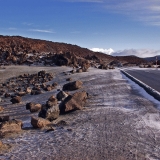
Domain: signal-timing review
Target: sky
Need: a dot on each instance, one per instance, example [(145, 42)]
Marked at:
[(117, 27)]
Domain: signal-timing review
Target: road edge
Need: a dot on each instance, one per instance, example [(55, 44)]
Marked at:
[(147, 88)]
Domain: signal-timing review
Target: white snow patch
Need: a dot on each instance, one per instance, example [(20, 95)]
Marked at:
[(152, 120)]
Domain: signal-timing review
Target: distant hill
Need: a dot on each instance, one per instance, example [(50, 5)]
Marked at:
[(152, 58), (15, 48)]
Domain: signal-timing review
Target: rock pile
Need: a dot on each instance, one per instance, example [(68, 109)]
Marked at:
[(50, 110), (33, 84)]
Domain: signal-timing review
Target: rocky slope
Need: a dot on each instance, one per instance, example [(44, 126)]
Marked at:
[(20, 50)]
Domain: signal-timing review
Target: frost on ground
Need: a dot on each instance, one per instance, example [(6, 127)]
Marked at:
[(118, 123)]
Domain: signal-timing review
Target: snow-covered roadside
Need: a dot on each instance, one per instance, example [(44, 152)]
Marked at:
[(142, 91), (150, 119), (116, 123), (147, 88)]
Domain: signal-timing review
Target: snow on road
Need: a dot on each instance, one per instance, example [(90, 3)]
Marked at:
[(119, 122)]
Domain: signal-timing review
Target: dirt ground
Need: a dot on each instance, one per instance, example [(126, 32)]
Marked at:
[(117, 123)]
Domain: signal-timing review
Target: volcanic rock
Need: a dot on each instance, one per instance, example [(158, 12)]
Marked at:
[(42, 73), (48, 88), (28, 90), (10, 127), (51, 113), (50, 110), (37, 107), (7, 95), (85, 66), (16, 99), (21, 94), (74, 102), (55, 84), (1, 144), (53, 100), (36, 92), (29, 105), (69, 79), (39, 122), (1, 108), (4, 118), (72, 86), (61, 95), (79, 70)]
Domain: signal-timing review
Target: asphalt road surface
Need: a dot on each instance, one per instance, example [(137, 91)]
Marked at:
[(151, 77)]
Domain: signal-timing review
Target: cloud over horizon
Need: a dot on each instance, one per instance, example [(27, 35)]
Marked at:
[(40, 30), (137, 52), (128, 52), (106, 51)]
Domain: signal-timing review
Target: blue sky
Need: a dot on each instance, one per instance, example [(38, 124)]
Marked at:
[(126, 26)]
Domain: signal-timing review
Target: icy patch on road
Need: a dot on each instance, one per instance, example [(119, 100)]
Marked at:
[(142, 91)]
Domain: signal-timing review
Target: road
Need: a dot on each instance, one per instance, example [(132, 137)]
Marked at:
[(151, 77)]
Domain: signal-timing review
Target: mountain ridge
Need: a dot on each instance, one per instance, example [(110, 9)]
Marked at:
[(16, 46)]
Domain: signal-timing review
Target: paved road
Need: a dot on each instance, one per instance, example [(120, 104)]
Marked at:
[(151, 77)]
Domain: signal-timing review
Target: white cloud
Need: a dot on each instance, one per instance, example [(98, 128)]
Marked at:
[(146, 11), (28, 24), (137, 52), (11, 28), (91, 1), (40, 30), (106, 51)]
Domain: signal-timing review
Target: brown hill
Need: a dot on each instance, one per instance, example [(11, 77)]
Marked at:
[(16, 49)]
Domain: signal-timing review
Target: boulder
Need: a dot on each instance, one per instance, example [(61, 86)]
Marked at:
[(41, 73), (1, 144), (36, 92), (61, 95), (53, 99), (28, 90), (72, 86), (39, 122), (10, 127), (37, 107), (43, 85), (48, 88), (6, 95), (49, 111), (16, 99), (69, 79), (79, 70), (4, 118), (1, 108), (55, 84), (29, 105), (74, 102), (85, 66)]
